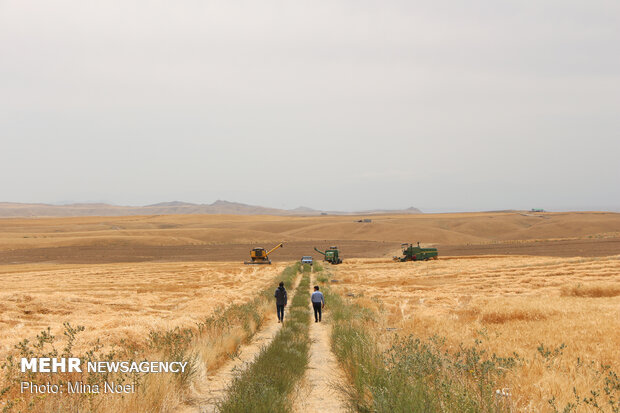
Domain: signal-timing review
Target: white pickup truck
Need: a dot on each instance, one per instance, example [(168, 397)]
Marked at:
[(306, 259)]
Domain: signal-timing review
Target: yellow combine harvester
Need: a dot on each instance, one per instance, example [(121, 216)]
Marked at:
[(260, 256)]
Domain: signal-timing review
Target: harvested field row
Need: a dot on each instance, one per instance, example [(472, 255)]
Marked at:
[(229, 238), (292, 251), (102, 254)]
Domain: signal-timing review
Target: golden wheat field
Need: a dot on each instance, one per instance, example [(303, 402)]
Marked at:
[(125, 277), (511, 304), (120, 301)]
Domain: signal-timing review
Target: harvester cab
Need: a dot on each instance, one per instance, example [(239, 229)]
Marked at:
[(416, 253), (331, 255), (261, 256)]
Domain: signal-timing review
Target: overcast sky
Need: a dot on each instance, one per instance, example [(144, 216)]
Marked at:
[(442, 105)]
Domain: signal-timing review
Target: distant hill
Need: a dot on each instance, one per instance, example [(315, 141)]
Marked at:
[(171, 204), (410, 210), (13, 209), (304, 209)]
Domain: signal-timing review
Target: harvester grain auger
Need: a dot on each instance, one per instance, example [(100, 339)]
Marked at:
[(330, 255), (413, 253), (260, 256)]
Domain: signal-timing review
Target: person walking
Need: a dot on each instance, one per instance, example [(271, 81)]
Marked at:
[(281, 300), (318, 303)]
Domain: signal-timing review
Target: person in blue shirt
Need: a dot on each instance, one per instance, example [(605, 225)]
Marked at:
[(318, 303)]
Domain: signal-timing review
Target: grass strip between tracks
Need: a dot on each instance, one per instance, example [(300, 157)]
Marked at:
[(266, 385)]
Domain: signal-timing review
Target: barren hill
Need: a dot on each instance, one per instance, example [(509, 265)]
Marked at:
[(12, 209)]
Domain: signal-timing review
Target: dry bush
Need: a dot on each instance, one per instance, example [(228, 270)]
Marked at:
[(591, 290), (499, 317), (509, 313)]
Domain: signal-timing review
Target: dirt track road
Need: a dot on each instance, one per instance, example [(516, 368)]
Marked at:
[(319, 392), (214, 386)]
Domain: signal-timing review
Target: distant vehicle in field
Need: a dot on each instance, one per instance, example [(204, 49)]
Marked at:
[(417, 253), (306, 259), (331, 255)]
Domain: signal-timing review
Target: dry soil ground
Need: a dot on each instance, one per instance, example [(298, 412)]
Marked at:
[(228, 237), (321, 388)]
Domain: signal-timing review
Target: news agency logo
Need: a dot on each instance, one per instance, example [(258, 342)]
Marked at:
[(74, 365), (51, 365)]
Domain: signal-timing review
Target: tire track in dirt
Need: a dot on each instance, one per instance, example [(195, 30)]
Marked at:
[(319, 391), (214, 387)]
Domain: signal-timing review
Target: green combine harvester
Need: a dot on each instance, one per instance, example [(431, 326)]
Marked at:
[(331, 255), (416, 253)]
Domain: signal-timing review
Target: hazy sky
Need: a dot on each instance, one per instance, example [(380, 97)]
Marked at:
[(442, 105)]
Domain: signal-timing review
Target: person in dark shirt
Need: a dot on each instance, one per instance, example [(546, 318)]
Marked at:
[(281, 300)]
